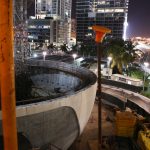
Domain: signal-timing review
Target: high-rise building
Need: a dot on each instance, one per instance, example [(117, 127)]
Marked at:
[(73, 28), (55, 15), (108, 13), (58, 8)]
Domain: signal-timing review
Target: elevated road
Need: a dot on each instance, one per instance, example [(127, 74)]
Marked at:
[(126, 95)]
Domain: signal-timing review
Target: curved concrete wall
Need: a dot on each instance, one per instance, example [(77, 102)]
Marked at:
[(57, 126), (87, 76), (51, 81), (30, 118), (58, 121)]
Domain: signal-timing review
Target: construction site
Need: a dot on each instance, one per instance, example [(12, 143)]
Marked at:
[(61, 111)]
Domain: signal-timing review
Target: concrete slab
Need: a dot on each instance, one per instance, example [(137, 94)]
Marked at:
[(89, 138)]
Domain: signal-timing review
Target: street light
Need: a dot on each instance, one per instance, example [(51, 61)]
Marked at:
[(44, 55), (108, 64), (100, 33), (34, 55), (74, 57), (109, 58), (146, 64)]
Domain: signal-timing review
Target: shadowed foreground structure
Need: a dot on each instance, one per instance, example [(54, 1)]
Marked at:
[(58, 121)]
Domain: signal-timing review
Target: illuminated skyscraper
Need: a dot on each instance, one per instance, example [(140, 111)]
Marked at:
[(59, 8), (53, 17), (108, 13)]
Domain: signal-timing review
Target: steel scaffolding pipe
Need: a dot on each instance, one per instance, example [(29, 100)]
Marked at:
[(99, 35), (8, 102)]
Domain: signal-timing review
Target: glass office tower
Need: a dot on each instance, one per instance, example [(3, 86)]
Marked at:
[(58, 14), (108, 13), (59, 8)]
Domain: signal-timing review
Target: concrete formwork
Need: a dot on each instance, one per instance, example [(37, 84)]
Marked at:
[(58, 121)]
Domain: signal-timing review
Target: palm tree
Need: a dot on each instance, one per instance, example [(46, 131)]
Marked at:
[(83, 50), (74, 48), (121, 51), (64, 48), (88, 47), (51, 47)]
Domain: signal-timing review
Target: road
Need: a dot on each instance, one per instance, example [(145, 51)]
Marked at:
[(123, 95)]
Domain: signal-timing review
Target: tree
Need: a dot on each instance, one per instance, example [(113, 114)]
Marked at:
[(121, 51), (82, 50), (88, 47), (74, 48), (51, 47), (64, 48)]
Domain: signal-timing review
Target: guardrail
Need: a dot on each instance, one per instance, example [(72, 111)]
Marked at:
[(122, 85), (122, 104)]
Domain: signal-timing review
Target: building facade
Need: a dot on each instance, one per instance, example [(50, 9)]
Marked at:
[(58, 14), (20, 29), (73, 28), (108, 13)]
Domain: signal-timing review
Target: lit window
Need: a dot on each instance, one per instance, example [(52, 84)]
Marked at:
[(119, 10), (100, 10), (109, 10), (102, 2), (129, 82), (90, 28)]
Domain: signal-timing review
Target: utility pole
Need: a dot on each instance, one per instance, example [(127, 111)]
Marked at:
[(100, 33), (7, 85)]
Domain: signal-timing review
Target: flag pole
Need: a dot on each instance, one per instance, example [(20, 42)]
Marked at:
[(7, 85)]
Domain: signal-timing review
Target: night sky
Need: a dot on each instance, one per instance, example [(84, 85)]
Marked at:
[(138, 18)]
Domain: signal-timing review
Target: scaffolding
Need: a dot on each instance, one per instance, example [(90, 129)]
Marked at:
[(21, 46)]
